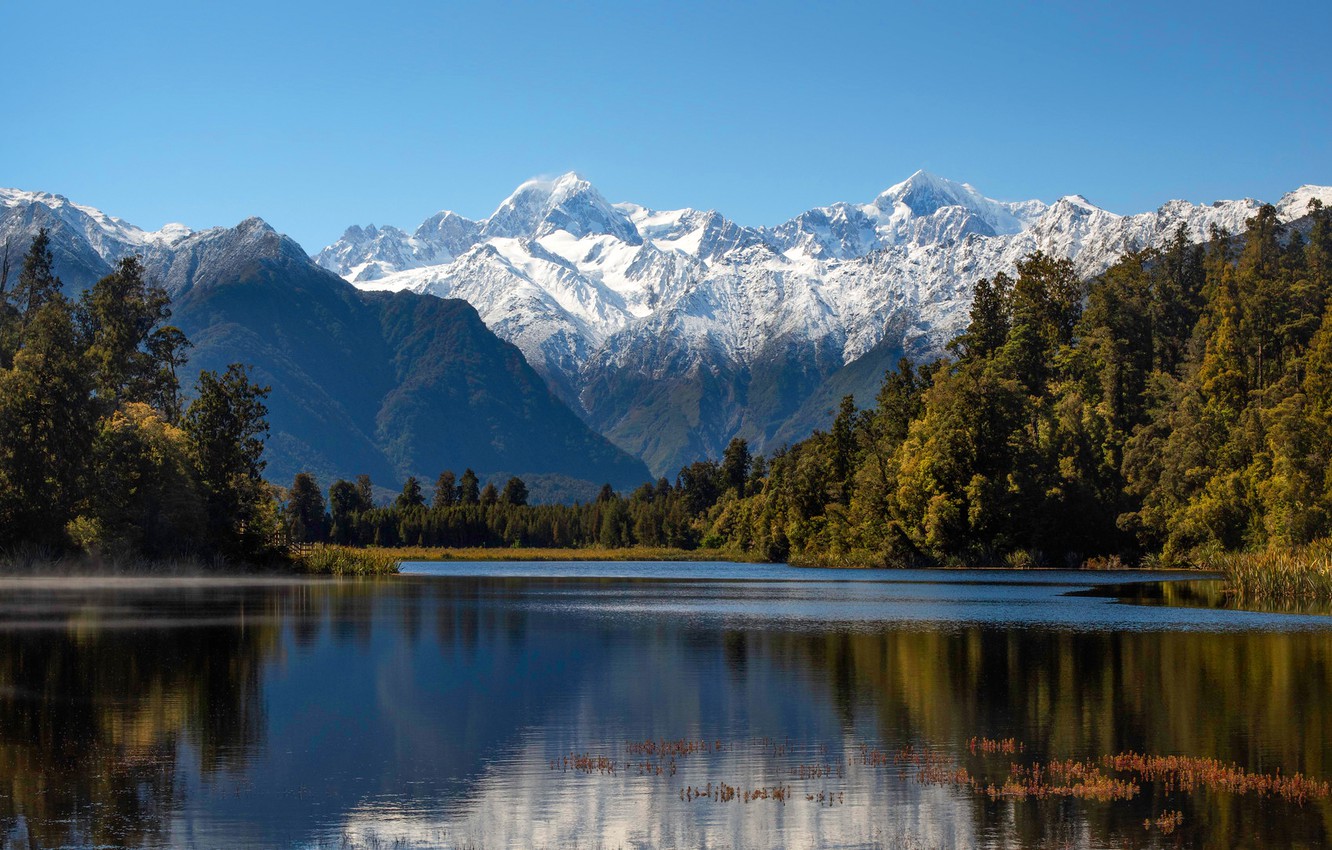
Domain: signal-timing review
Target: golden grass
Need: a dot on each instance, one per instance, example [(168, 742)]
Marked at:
[(1302, 573), (634, 553), (348, 561)]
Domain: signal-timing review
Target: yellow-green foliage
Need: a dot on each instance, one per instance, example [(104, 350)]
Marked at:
[(148, 500), (1299, 573), (347, 561)]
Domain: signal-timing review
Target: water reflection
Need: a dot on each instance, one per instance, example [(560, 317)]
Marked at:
[(429, 711)]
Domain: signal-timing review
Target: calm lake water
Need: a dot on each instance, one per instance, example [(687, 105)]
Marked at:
[(657, 705)]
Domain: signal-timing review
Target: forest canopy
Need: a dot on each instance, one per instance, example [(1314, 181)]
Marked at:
[(97, 450), (1177, 405)]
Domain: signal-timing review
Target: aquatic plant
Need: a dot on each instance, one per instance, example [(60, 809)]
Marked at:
[(590, 553), (989, 746), (347, 561), (726, 793), (1274, 575), (1167, 822), (1186, 774)]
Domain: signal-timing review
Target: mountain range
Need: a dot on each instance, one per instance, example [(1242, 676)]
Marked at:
[(673, 331), (387, 384), (572, 340)]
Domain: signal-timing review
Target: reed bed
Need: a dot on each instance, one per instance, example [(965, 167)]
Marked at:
[(726, 793), (1302, 573), (515, 553), (348, 561)]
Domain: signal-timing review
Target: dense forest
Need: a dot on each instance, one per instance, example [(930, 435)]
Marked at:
[(97, 449), (1177, 405)]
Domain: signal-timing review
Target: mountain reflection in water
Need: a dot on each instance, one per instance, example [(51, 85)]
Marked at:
[(507, 708)]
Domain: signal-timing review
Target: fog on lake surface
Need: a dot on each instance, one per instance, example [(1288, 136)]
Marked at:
[(513, 705)]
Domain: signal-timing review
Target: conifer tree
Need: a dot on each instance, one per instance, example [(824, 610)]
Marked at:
[(47, 425), (122, 315), (469, 488), (446, 490), (411, 495), (305, 509), (37, 282), (515, 492), (226, 425), (489, 494), (344, 502), (365, 493)]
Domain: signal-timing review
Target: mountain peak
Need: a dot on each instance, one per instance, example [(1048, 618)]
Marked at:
[(1296, 204), (568, 202), (1078, 202), (923, 193), (255, 223)]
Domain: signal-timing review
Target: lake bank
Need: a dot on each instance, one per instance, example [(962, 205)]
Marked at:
[(517, 553)]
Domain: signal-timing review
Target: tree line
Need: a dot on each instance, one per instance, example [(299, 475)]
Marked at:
[(98, 448), (1176, 405), (462, 512)]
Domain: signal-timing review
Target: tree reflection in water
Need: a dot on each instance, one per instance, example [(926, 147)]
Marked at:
[(130, 712)]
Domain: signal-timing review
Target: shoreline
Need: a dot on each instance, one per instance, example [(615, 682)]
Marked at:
[(497, 554)]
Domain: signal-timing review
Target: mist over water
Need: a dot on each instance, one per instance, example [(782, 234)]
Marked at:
[(496, 705)]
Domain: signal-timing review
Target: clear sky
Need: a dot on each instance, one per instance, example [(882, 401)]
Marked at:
[(317, 115)]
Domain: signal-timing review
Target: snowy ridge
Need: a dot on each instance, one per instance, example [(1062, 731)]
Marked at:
[(561, 273), (111, 237), (672, 331), (606, 300)]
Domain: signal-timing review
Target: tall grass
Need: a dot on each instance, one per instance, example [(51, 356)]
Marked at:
[(502, 553), (348, 561), (1301, 573)]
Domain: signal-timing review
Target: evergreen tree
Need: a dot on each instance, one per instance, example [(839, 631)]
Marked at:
[(469, 488), (411, 496), (344, 502), (365, 493), (305, 509), (489, 494), (735, 466), (37, 283), (515, 492), (226, 425), (167, 349), (122, 315), (446, 490), (990, 319), (844, 450), (47, 425)]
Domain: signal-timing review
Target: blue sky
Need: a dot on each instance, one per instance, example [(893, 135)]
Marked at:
[(317, 115)]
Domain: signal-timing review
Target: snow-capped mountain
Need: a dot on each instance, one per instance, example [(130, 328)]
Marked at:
[(675, 330), (85, 241), (672, 331), (385, 384)]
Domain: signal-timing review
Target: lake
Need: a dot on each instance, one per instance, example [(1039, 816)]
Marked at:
[(609, 705)]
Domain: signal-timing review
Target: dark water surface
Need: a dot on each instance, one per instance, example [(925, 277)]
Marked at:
[(617, 705)]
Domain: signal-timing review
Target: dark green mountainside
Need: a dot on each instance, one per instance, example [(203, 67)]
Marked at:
[(386, 384)]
